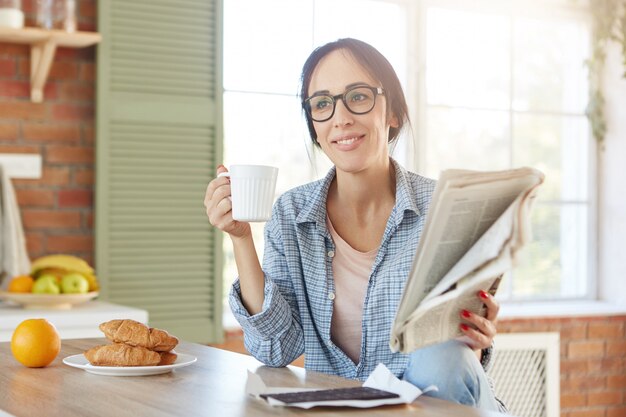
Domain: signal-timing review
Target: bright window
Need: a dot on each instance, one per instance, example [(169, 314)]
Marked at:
[(506, 88)]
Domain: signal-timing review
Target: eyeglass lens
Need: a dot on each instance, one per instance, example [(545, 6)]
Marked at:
[(358, 100)]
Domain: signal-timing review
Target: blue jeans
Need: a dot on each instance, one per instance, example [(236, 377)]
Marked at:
[(454, 368)]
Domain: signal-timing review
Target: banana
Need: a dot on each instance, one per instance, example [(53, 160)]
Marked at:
[(93, 282), (66, 262), (62, 264)]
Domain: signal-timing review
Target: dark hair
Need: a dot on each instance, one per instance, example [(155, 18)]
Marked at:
[(376, 66)]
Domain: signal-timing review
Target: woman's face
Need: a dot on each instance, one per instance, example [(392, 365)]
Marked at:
[(353, 142)]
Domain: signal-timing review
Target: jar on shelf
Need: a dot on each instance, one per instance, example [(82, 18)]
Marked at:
[(11, 15), (56, 14)]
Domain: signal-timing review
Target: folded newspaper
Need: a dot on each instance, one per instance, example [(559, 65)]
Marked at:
[(474, 229)]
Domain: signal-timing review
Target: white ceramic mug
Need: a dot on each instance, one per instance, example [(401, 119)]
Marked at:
[(252, 191)]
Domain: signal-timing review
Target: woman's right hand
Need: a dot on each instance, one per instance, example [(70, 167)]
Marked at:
[(219, 207), (219, 211)]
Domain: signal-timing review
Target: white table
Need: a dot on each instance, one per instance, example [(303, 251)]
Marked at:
[(79, 322)]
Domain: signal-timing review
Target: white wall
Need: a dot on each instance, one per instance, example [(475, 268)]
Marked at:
[(612, 186)]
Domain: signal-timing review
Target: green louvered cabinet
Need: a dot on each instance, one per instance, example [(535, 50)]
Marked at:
[(159, 133)]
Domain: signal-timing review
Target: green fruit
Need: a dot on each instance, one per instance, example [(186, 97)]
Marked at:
[(60, 265), (74, 283), (46, 284)]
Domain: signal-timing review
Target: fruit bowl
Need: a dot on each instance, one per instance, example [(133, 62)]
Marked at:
[(47, 301)]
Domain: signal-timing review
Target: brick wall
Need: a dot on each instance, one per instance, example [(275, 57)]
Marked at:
[(57, 209), (593, 362)]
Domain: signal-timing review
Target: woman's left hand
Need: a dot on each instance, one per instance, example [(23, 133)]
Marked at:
[(481, 330)]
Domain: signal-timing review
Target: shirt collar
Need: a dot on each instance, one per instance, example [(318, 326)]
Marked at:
[(405, 194), (316, 210)]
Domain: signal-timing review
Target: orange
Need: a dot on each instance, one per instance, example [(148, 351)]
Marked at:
[(35, 343), (21, 283)]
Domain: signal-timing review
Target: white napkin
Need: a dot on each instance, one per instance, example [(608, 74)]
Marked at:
[(13, 255), (381, 378)]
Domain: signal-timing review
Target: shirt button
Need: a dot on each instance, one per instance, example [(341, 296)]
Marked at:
[(331, 295), (331, 254)]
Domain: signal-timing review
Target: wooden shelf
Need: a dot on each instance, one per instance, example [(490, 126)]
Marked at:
[(43, 44)]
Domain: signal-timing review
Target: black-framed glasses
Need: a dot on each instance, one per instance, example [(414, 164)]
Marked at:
[(358, 100)]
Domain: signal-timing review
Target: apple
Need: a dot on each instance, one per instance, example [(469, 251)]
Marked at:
[(74, 283), (46, 284)]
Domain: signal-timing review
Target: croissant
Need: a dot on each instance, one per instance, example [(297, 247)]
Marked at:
[(134, 333), (167, 358), (120, 354)]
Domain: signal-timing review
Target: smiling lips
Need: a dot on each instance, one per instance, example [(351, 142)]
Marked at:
[(347, 140)]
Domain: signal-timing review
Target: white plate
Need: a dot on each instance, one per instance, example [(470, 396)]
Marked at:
[(79, 361), (47, 301)]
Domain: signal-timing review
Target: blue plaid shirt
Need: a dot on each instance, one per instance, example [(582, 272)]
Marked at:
[(299, 287)]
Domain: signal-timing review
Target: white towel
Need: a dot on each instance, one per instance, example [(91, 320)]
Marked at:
[(13, 255)]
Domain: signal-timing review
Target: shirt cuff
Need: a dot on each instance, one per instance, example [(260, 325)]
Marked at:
[(274, 318)]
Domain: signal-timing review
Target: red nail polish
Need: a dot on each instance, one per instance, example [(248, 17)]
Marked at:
[(466, 313), (483, 294), (464, 327)]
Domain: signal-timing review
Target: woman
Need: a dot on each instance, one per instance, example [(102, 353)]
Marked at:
[(338, 251)]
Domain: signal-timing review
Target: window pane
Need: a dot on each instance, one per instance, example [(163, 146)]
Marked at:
[(467, 59), (265, 44), (558, 146), (554, 264), (542, 95), (468, 139), (548, 72)]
